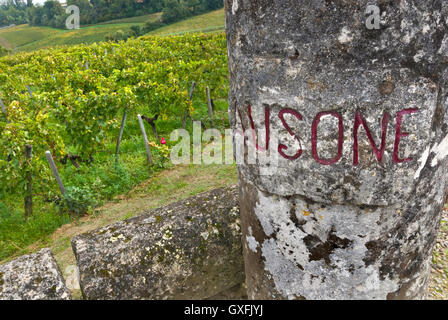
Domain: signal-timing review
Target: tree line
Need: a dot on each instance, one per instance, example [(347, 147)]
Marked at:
[(52, 13)]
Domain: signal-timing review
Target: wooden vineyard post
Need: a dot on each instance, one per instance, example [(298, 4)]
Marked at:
[(184, 119), (29, 91), (145, 139), (193, 86), (29, 181), (210, 109), (153, 127), (4, 110), (120, 135), (55, 172), (154, 130)]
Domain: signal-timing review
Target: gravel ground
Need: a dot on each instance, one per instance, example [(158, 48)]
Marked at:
[(438, 286)]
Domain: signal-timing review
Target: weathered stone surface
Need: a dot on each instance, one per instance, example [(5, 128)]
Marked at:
[(238, 292), (355, 122), (33, 277), (187, 250)]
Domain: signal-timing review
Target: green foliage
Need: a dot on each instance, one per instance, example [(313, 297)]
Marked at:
[(12, 12), (153, 25), (16, 231), (120, 35), (79, 200), (207, 22), (136, 30), (3, 51)]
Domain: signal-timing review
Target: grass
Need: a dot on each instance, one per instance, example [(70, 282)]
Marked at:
[(28, 38), (16, 231), (86, 35), (135, 20), (21, 35), (208, 22), (168, 186)]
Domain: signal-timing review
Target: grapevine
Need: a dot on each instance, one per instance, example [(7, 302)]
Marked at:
[(79, 94)]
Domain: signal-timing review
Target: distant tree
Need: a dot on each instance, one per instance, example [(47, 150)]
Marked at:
[(173, 10), (3, 18), (52, 8), (193, 5), (214, 4), (59, 21), (86, 11)]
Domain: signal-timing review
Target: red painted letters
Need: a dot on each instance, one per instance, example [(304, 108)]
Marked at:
[(314, 137), (282, 147), (359, 120), (399, 134), (266, 124)]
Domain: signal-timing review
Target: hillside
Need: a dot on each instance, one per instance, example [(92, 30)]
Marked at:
[(27, 38), (208, 22), (19, 36)]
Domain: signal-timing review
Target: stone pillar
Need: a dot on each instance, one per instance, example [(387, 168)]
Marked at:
[(350, 103)]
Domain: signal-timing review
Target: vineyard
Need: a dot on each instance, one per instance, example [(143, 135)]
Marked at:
[(71, 101)]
